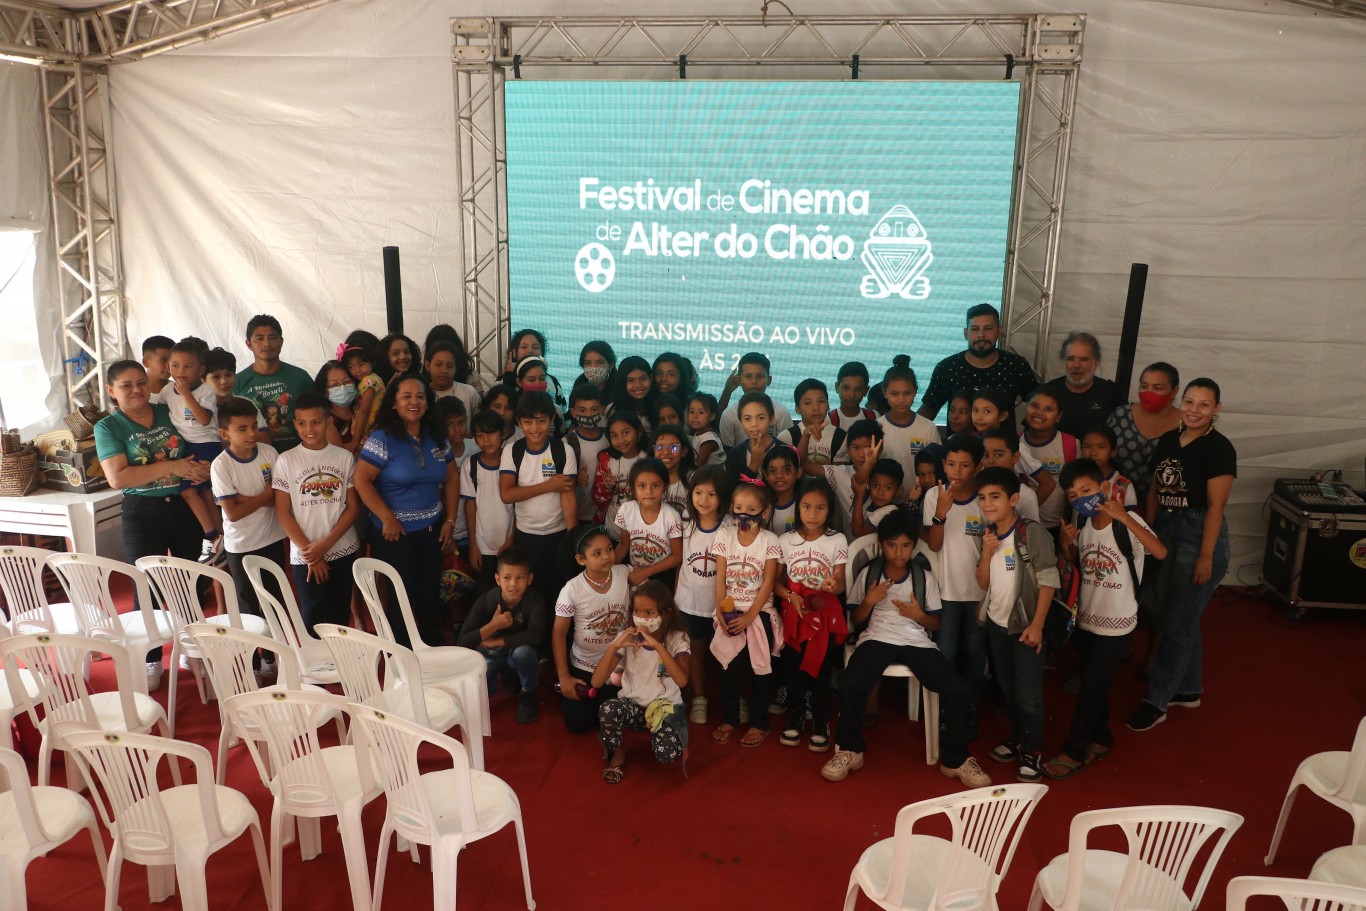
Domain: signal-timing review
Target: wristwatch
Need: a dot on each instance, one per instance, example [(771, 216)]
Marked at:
[(941, 520)]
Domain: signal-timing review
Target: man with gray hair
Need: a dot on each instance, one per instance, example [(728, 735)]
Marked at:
[(1086, 399)]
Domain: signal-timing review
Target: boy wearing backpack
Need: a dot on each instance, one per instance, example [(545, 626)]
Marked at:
[(896, 600), (1108, 544), (537, 476), (488, 520)]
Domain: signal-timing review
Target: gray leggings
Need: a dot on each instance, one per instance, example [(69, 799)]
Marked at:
[(618, 715)]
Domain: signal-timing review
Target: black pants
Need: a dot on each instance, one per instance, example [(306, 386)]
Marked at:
[(325, 602), (417, 557), (155, 527), (933, 671), (247, 601), (1101, 657), (581, 715), (800, 684), (733, 675), (548, 554)]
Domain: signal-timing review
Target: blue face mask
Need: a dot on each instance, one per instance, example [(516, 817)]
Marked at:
[(1088, 506), (745, 521)]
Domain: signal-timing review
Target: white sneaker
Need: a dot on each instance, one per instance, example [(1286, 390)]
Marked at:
[(970, 774), (184, 662), (155, 670), (697, 710), (841, 764), (207, 550)]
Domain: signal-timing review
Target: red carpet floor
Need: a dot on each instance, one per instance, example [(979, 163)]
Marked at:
[(761, 826)]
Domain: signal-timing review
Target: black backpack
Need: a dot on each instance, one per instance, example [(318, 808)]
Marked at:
[(919, 566), (557, 454)]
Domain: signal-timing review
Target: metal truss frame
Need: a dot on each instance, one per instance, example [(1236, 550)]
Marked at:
[(1043, 52)]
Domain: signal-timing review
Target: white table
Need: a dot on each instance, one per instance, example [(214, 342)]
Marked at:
[(92, 523)]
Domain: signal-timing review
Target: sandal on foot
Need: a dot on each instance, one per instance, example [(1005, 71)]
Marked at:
[(724, 733), (613, 774), (753, 737), (1062, 766), (1095, 752)]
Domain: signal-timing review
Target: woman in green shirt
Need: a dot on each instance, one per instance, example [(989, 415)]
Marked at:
[(144, 456)]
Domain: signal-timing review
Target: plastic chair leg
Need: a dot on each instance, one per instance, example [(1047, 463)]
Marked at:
[(1035, 898), (913, 690), (1281, 821), (931, 727), (173, 673), (45, 761), (111, 879), (526, 868), (194, 889), (310, 836), (98, 844), (160, 882), (224, 736), (175, 766), (279, 822), (13, 894), (851, 894), (357, 867), (382, 864), (258, 843), (444, 868)]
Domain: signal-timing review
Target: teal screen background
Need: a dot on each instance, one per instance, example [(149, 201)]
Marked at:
[(945, 151)]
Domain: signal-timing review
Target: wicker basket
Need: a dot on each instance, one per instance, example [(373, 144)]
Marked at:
[(18, 472), (83, 420), (9, 441)]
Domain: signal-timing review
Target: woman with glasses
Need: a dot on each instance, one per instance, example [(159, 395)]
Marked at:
[(407, 475)]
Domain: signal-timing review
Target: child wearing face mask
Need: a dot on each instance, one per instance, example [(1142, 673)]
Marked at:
[(747, 556), (651, 530), (650, 657), (334, 381), (359, 363), (588, 439)]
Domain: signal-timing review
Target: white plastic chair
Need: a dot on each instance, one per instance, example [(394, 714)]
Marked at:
[(11, 704), (862, 552), (287, 623), (1345, 866), (1295, 894), (461, 670), (21, 580), (1337, 777), (68, 705), (173, 831), (227, 653), (445, 809), (1164, 843), (308, 781), (33, 821), (175, 582), (926, 872), (86, 580), (359, 657)]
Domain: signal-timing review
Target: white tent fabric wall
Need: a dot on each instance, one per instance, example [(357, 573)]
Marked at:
[(1223, 144)]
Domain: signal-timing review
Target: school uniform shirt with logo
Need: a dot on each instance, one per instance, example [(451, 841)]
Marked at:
[(733, 434), (184, 419), (1107, 604), (644, 677), (1049, 456), (233, 477), (1004, 589), (784, 517), (903, 441), (543, 513), (492, 517), (589, 450), (745, 564), (810, 563), (886, 623), (696, 593), (1182, 473), (962, 548), (317, 481), (274, 396), (118, 435), (821, 449), (650, 541), (598, 616)]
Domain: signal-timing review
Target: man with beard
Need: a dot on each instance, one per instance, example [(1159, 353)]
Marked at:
[(983, 365), (1086, 399)]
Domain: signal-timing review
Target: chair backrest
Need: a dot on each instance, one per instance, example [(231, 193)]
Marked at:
[(1164, 843), (283, 616), (125, 766), (175, 582), (1356, 767), (366, 571), (386, 753), (21, 798), (86, 580), (986, 826), (57, 661), (21, 581), (359, 657), (227, 653), (1295, 894), (297, 773), (861, 552)]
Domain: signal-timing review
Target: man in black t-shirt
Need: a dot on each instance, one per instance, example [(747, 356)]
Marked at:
[(1086, 399), (983, 365)]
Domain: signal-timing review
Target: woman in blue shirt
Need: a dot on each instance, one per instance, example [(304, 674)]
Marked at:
[(407, 475)]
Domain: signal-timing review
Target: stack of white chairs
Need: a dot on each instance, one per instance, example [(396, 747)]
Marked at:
[(176, 585), (33, 821), (21, 580), (173, 831)]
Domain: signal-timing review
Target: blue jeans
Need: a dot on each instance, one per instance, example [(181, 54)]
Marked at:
[(1019, 668), (1179, 664), (522, 660)]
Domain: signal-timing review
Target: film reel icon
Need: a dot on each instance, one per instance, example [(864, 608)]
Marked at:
[(595, 267)]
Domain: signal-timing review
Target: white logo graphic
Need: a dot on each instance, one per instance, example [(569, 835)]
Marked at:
[(896, 254), (595, 267)]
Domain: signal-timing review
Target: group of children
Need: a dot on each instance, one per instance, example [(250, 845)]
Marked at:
[(667, 530)]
